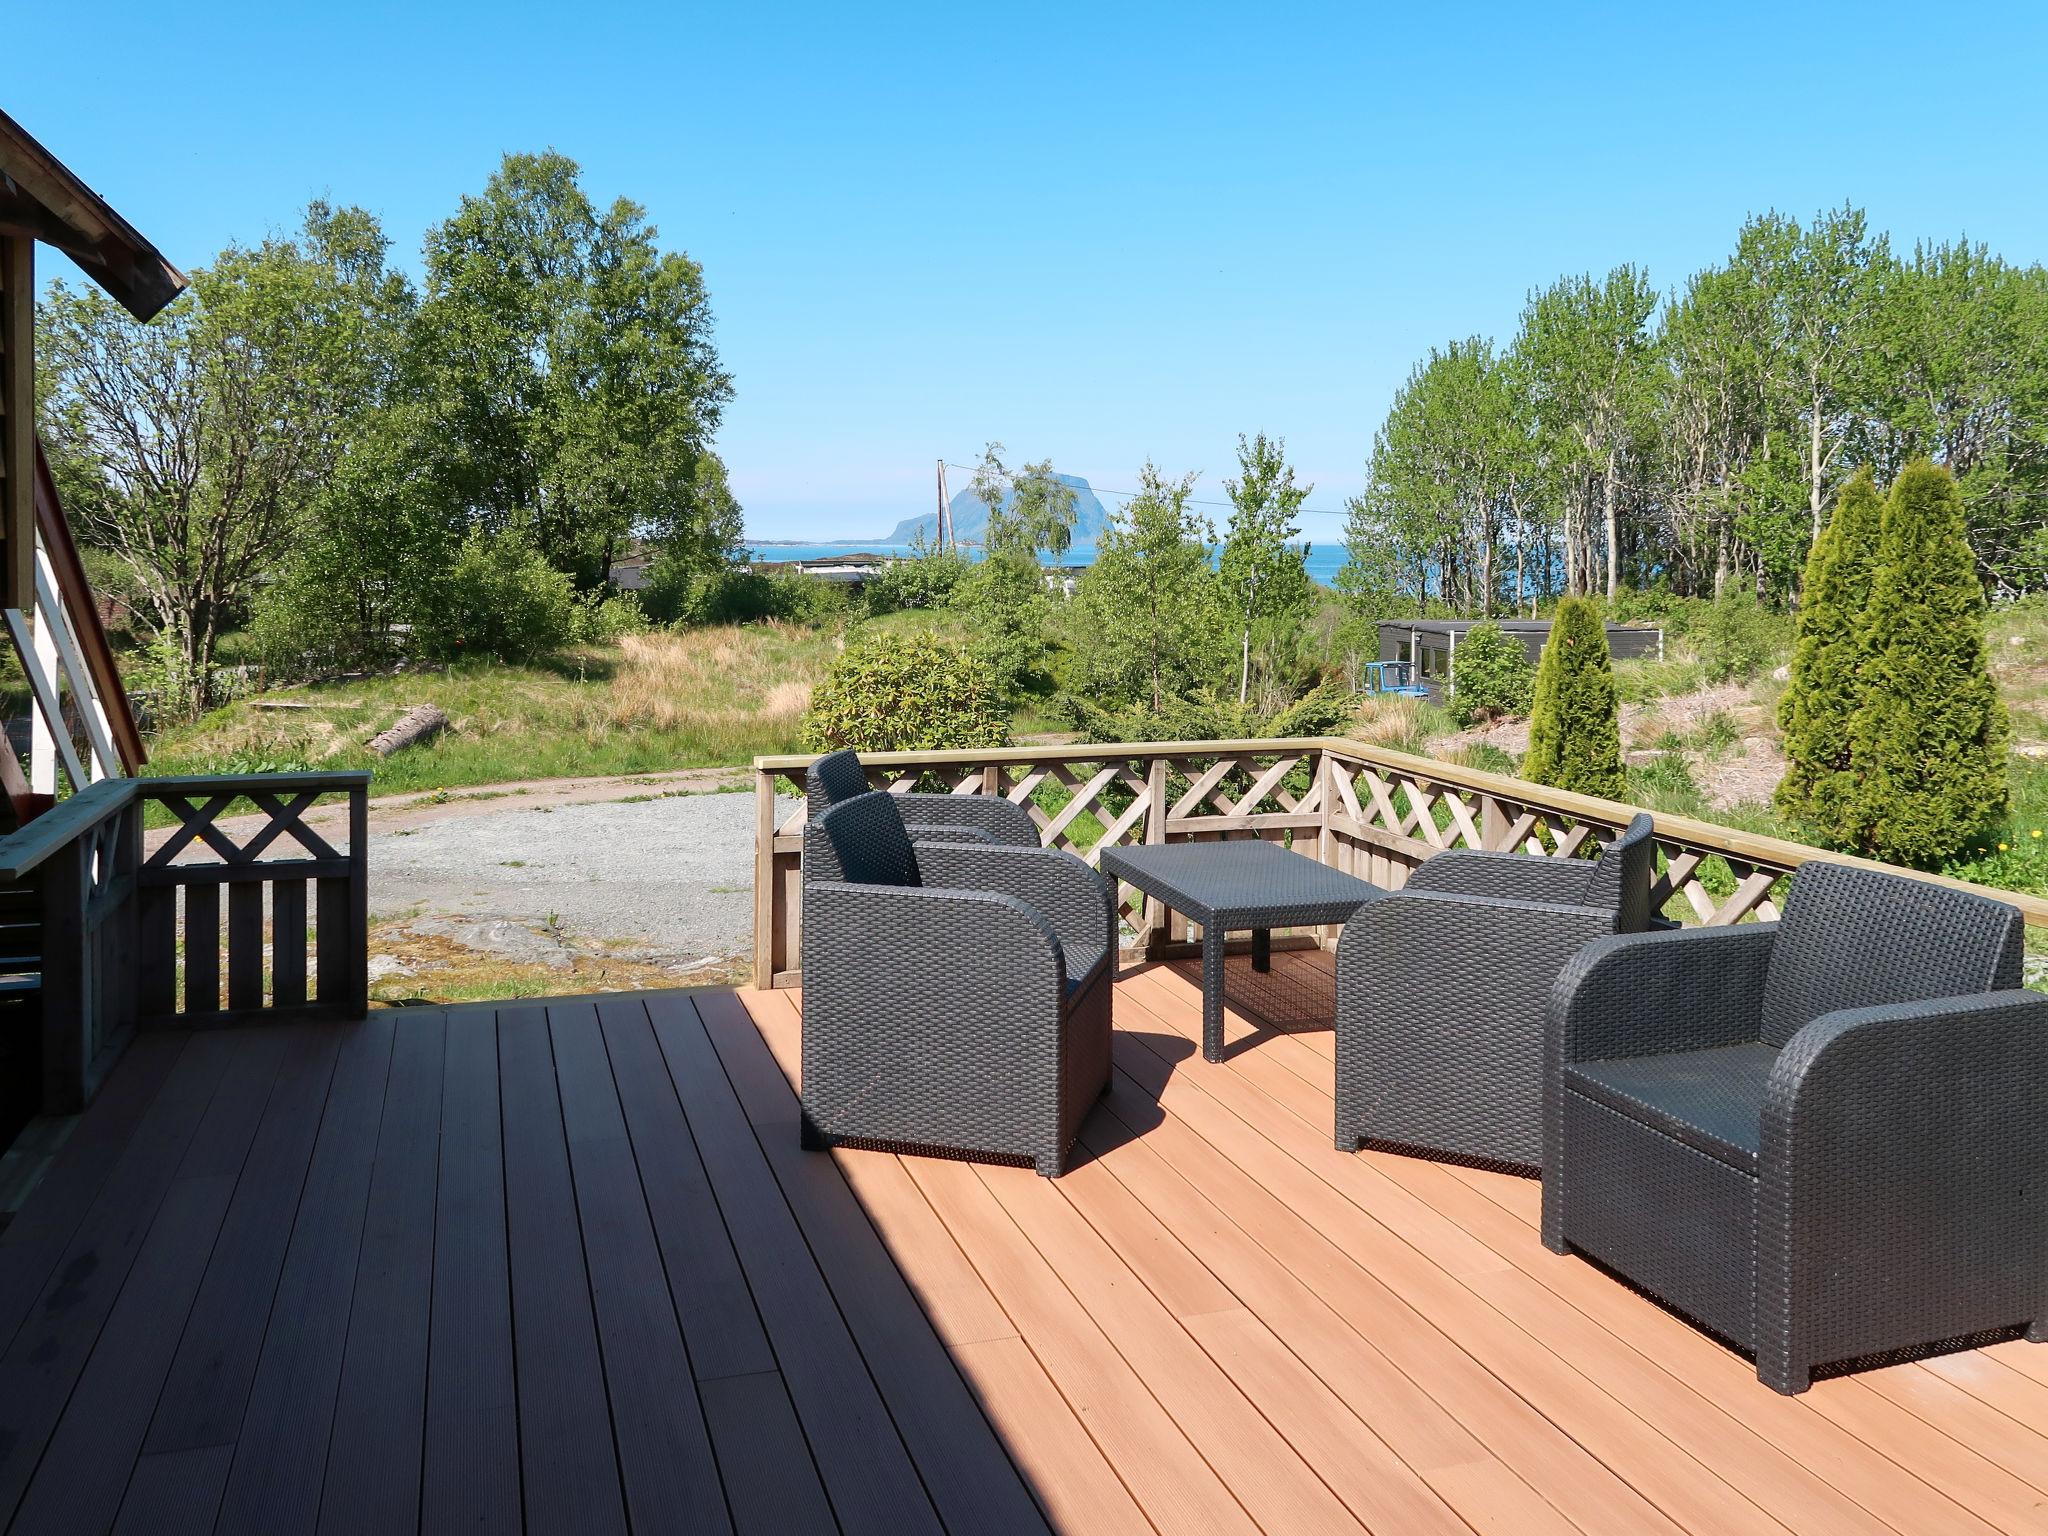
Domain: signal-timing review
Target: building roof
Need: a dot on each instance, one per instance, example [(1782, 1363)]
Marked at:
[(41, 197)]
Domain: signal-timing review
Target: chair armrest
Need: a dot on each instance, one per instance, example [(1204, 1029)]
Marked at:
[(1958, 1053), (1408, 939), (1904, 1163), (1070, 896), (903, 941), (1644, 994), (999, 819), (1512, 876), (920, 833)]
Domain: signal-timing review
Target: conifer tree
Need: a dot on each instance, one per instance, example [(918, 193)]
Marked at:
[(1929, 740), (1574, 721), (1829, 676)]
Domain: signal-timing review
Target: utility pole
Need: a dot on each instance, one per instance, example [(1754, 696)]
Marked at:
[(945, 512)]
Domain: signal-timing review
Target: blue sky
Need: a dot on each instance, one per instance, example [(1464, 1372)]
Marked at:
[(1096, 232)]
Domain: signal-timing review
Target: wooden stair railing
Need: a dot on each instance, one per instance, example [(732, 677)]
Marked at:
[(68, 643)]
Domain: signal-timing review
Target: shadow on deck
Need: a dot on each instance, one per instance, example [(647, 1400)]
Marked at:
[(561, 1266)]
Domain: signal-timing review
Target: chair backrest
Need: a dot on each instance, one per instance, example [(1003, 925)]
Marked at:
[(1621, 880), (1858, 938), (862, 840), (832, 778)]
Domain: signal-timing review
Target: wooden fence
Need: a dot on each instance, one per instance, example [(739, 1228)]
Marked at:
[(134, 940), (1362, 808)]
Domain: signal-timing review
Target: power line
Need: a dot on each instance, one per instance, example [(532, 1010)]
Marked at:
[(1193, 501)]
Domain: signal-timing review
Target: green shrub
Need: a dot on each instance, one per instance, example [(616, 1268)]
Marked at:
[(1574, 718), (902, 693), (1928, 742), (926, 580), (601, 619), (1491, 678), (1827, 675), (1737, 637), (501, 599)]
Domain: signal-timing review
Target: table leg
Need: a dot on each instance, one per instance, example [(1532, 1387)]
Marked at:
[(1262, 949), (1212, 993)]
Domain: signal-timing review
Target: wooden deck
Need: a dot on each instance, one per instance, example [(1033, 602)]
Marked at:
[(562, 1267)]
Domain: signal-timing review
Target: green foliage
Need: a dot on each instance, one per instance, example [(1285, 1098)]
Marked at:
[(502, 599), (926, 580), (1574, 720), (1737, 638), (602, 619), (1211, 716), (1828, 661), (1144, 617), (1491, 678), (911, 692), (1262, 577), (1928, 740), (1005, 603), (568, 369), (201, 446)]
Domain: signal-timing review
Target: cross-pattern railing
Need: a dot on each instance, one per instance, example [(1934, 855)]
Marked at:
[(132, 938), (1374, 812)]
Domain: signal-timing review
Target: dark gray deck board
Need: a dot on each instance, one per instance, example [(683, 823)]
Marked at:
[(867, 1472), (470, 1470), (175, 1493), (35, 1239), (567, 1457), (208, 1386), (665, 1459), (274, 1485), (373, 1461), (108, 1414), (40, 1367), (769, 1480), (970, 1477), (467, 1270), (705, 1280)]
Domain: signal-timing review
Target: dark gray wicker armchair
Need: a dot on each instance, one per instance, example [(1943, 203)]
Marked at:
[(930, 818), (956, 995), (1442, 986), (1825, 1139)]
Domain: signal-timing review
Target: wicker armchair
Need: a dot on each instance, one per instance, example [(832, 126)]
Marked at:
[(956, 995), (1442, 986), (930, 818), (1824, 1139)]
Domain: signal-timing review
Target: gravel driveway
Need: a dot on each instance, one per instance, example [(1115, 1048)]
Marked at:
[(672, 876)]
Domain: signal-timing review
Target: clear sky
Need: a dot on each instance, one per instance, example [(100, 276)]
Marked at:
[(1096, 232)]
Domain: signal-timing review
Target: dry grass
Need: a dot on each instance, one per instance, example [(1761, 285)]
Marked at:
[(710, 680)]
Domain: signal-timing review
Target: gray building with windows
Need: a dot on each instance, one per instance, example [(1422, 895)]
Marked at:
[(1431, 645)]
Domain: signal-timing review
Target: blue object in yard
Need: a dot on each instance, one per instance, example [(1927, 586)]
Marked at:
[(1393, 677)]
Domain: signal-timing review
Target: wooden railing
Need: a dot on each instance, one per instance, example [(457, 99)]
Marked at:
[(133, 939), (1362, 808)]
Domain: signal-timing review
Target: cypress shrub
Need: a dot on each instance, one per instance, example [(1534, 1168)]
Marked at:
[(1491, 678), (1574, 721), (1928, 742), (1829, 676)]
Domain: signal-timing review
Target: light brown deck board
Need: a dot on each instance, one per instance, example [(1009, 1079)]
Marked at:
[(1214, 1321)]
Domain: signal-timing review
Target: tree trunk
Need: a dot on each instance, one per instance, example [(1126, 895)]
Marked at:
[(1813, 497), (1613, 532)]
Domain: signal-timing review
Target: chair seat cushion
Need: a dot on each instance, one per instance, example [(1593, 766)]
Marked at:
[(1710, 1100)]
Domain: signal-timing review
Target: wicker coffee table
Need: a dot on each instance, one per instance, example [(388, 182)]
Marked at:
[(1229, 887)]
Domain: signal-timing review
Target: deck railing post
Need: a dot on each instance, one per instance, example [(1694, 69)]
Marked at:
[(67, 1000), (1155, 832), (765, 883)]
